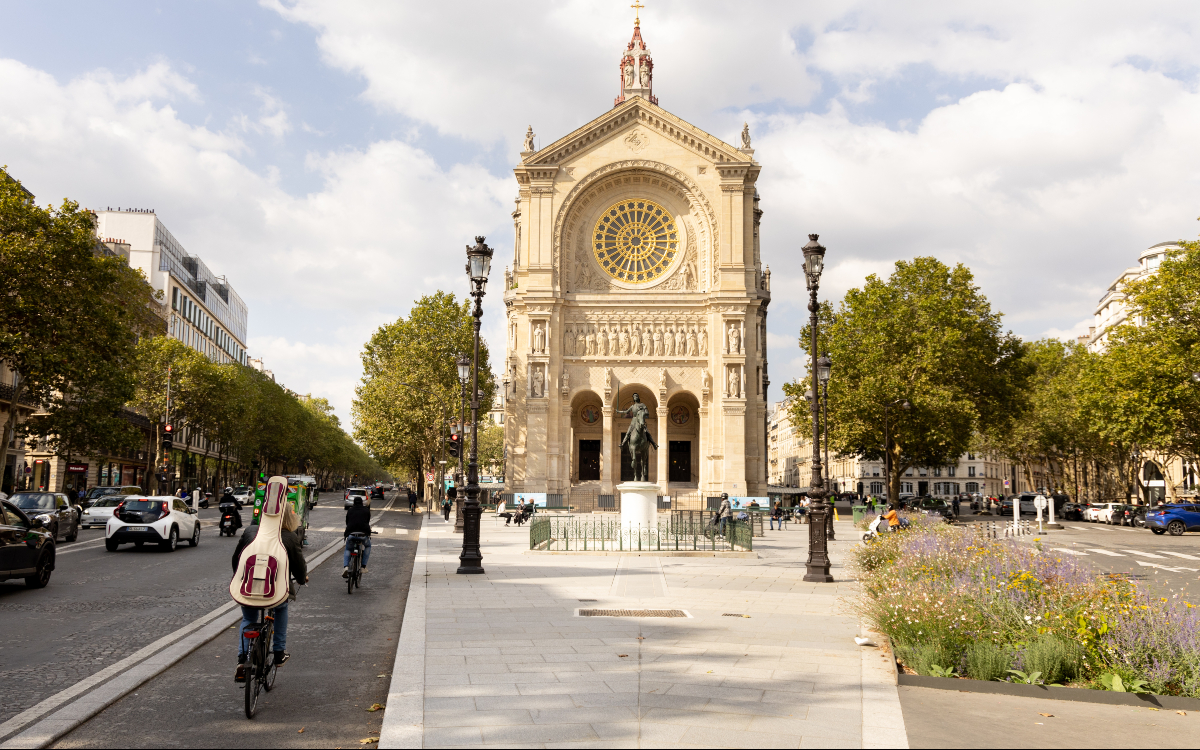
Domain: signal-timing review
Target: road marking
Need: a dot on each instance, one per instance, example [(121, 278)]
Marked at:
[(1179, 554), (1069, 551), (141, 666), (1106, 552), (1164, 567), (76, 546), (1144, 554)]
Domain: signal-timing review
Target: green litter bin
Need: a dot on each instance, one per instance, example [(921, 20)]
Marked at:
[(860, 512)]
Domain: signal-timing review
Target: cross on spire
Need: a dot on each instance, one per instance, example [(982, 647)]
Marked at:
[(637, 9)]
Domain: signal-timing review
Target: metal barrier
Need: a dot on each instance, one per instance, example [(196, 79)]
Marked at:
[(683, 533), (1004, 529)]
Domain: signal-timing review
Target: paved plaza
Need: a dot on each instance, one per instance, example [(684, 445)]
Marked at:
[(762, 659)]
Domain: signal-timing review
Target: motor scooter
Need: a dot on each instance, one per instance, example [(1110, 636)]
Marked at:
[(873, 530), (231, 520)]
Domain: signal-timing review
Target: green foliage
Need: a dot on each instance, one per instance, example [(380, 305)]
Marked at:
[(1026, 678), (988, 661), (1056, 659), (410, 385), (949, 672), (491, 447), (926, 334), (1113, 682), (924, 656)]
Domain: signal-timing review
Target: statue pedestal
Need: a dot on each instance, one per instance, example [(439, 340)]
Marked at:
[(639, 506)]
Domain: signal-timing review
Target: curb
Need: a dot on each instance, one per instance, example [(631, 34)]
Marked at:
[(647, 553), (1081, 695), (404, 709)]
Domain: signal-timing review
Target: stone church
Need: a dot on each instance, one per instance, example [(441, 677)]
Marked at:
[(637, 270)]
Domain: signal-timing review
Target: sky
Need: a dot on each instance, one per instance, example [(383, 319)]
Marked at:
[(334, 159)]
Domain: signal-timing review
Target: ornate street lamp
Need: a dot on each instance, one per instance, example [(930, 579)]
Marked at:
[(824, 367), (464, 373), (818, 549), (479, 265)]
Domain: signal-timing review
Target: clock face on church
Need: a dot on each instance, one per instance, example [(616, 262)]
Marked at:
[(635, 241)]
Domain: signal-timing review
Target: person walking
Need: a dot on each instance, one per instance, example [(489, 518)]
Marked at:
[(777, 516), (725, 513), (955, 506), (448, 502)]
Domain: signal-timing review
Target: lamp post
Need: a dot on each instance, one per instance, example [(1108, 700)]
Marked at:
[(904, 404), (824, 367), (479, 265), (464, 372), (818, 549)]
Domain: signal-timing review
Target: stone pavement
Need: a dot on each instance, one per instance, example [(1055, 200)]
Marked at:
[(763, 660)]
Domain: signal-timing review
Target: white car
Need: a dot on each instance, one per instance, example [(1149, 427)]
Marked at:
[(162, 520), (1097, 512), (98, 513), (353, 492)]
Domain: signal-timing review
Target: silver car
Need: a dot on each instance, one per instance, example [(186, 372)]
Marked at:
[(353, 492), (98, 513)]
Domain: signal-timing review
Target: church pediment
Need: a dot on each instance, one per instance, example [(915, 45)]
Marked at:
[(616, 124)]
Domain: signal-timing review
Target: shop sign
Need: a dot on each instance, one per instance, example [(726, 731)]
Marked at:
[(77, 468)]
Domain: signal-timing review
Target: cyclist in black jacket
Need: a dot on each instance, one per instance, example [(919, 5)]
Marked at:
[(358, 520)]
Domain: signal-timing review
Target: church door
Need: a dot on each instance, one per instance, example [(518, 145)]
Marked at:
[(680, 461), (626, 462), (589, 460)]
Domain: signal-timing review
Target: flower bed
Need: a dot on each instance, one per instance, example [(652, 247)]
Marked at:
[(957, 604)]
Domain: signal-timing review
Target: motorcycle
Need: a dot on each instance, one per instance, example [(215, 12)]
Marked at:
[(873, 530), (231, 520)]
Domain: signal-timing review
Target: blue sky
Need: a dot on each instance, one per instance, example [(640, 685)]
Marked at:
[(333, 158)]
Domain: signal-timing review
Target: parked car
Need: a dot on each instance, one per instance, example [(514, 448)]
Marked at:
[(56, 514), (95, 493), (1100, 512), (1130, 515), (100, 511), (26, 548), (1175, 518), (1071, 512), (352, 492), (162, 520)]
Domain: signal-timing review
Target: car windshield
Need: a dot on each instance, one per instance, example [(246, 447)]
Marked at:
[(101, 491), (358, 492), (108, 502), (144, 505), (34, 500)]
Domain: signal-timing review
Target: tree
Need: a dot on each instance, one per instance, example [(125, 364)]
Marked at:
[(491, 447), (410, 384), (926, 334)]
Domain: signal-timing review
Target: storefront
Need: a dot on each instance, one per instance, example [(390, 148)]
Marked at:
[(76, 477)]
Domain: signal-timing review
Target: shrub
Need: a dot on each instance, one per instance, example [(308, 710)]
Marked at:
[(988, 661), (1056, 659), (921, 657)]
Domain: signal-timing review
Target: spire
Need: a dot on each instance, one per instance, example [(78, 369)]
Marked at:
[(636, 67)]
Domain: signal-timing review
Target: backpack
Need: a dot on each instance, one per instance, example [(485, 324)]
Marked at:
[(263, 574)]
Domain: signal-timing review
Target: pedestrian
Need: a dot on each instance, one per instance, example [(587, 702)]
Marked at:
[(955, 505), (777, 516), (724, 513), (448, 501)]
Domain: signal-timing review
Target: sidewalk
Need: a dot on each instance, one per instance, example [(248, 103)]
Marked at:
[(507, 661)]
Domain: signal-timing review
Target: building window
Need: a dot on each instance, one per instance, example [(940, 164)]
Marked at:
[(950, 471), (937, 472), (906, 487), (876, 488), (970, 471)]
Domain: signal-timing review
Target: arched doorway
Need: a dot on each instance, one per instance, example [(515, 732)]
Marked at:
[(683, 441), (1154, 488), (587, 436)]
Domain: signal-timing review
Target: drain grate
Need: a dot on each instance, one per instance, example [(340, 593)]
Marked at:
[(586, 600), (632, 613), (734, 614)]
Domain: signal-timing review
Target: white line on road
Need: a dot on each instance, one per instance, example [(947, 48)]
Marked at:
[(1069, 551), (1106, 552), (1144, 554), (142, 666), (79, 546), (1179, 554), (1164, 567)]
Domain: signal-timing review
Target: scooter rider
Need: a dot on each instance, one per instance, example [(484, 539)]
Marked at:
[(358, 520), (229, 509)]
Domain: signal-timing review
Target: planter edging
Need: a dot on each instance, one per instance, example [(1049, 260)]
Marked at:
[(1083, 695)]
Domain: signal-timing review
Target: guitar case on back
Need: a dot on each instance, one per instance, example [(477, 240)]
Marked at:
[(262, 575)]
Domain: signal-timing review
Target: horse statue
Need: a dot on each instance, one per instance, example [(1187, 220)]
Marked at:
[(638, 438)]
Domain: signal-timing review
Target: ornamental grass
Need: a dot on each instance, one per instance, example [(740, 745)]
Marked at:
[(955, 602)]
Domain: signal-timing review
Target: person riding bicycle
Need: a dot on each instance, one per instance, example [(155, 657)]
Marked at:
[(358, 520), (299, 569), (412, 502)]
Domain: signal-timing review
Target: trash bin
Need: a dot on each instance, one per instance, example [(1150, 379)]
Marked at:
[(860, 512)]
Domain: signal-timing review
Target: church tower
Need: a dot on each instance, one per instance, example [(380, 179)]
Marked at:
[(637, 270)]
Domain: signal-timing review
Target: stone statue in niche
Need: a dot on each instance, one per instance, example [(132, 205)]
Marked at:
[(539, 340), (662, 377), (668, 343), (602, 342), (680, 342), (767, 279), (705, 379), (529, 139), (647, 350), (566, 381), (580, 343), (691, 342), (658, 349), (608, 378), (734, 339), (703, 342), (644, 70), (629, 74), (745, 136), (735, 383), (624, 342), (539, 380), (591, 342)]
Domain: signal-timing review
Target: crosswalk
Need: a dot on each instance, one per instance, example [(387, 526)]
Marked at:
[(1137, 553)]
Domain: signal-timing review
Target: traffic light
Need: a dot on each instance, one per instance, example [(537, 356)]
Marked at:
[(168, 438), (453, 445)]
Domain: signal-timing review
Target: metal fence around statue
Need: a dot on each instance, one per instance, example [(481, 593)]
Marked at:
[(690, 532)]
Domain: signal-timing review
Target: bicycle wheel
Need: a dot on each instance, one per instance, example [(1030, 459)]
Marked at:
[(253, 667), (353, 574), (269, 671)]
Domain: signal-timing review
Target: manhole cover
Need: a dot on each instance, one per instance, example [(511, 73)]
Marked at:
[(633, 613)]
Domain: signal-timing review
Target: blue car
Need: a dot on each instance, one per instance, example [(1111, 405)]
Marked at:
[(1175, 519)]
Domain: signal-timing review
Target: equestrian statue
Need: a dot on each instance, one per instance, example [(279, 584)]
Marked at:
[(638, 438)]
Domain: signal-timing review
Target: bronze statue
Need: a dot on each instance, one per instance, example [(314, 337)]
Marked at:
[(638, 438)]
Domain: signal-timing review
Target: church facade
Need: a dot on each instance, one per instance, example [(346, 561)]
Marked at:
[(637, 270)]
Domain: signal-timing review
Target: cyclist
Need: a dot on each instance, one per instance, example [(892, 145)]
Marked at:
[(358, 520), (299, 570), (412, 501)]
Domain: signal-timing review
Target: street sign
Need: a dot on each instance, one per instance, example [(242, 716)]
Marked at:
[(1006, 483), (1039, 502), (429, 477)]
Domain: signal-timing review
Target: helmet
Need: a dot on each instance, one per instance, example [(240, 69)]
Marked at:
[(229, 490)]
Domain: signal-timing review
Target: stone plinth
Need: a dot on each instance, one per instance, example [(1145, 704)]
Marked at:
[(639, 505)]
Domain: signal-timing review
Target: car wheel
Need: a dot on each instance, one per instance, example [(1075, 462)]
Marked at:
[(39, 579), (195, 540), (74, 534), (171, 542), (1176, 528), (111, 545), (1159, 531)]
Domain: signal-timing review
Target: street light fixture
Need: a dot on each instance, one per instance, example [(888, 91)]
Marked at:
[(824, 368), (818, 548), (479, 265)]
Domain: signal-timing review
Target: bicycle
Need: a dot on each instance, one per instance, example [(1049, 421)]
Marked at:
[(260, 662), (355, 567)]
